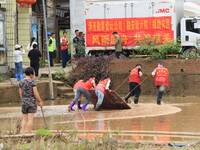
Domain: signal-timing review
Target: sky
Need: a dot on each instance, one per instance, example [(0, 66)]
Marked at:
[(192, 7)]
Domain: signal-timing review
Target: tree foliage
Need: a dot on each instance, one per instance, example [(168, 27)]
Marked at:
[(87, 67)]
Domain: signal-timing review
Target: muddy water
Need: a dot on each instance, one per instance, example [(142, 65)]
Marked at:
[(177, 114)]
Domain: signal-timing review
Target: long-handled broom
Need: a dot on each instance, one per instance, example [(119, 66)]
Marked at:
[(44, 120)]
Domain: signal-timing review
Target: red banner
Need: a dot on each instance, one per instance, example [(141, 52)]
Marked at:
[(132, 30)]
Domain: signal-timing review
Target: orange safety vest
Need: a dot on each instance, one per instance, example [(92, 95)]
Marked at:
[(78, 84), (89, 84), (102, 85), (161, 77), (134, 76)]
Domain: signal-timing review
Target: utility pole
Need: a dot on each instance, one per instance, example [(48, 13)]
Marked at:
[(48, 57)]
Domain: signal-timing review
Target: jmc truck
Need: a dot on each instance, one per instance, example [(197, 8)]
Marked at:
[(133, 20)]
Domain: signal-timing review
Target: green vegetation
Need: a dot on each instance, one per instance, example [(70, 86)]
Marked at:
[(156, 50), (43, 132), (90, 67), (59, 75), (71, 142), (4, 77)]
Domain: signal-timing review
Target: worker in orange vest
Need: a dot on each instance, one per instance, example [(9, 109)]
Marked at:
[(161, 81), (134, 83), (82, 88), (100, 91), (78, 84)]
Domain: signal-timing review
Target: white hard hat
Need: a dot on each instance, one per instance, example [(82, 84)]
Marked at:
[(17, 46)]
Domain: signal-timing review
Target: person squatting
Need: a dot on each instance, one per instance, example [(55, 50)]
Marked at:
[(82, 88)]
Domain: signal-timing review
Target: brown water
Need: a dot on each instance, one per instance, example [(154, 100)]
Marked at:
[(146, 121)]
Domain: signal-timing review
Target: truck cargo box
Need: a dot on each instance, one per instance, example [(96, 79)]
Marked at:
[(133, 19)]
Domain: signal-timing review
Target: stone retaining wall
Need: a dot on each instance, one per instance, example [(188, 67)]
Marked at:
[(10, 94)]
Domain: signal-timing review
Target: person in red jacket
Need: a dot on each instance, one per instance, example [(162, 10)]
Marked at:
[(82, 88), (100, 91), (161, 81), (64, 45), (78, 84), (134, 83)]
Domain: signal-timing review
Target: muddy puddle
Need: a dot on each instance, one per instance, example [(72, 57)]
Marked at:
[(178, 119)]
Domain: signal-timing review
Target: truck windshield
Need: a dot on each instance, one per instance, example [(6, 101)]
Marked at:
[(190, 27)]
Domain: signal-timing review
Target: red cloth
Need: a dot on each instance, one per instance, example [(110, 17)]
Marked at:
[(89, 84), (161, 77), (63, 43), (102, 85), (134, 76), (78, 84)]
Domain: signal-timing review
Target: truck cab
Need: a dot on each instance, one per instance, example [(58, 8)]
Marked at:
[(190, 33)]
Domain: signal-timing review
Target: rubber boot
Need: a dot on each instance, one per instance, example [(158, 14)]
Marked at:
[(71, 106), (158, 101), (79, 105), (136, 100), (159, 97), (84, 108), (97, 108)]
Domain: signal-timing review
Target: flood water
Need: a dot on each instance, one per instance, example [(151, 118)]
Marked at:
[(177, 119)]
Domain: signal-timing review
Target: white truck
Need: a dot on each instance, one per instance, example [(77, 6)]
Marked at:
[(133, 20)]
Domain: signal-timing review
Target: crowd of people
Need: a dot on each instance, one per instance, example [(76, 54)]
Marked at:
[(63, 50), (56, 51), (27, 86), (30, 97), (34, 54)]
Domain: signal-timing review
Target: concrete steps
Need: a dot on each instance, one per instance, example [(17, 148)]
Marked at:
[(69, 96), (59, 83), (63, 90)]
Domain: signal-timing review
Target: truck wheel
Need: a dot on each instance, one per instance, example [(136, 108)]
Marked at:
[(190, 53), (126, 53)]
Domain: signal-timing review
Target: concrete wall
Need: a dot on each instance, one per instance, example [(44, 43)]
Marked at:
[(24, 29), (184, 76), (181, 84), (10, 94)]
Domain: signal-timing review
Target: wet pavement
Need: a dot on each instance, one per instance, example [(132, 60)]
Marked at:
[(177, 119)]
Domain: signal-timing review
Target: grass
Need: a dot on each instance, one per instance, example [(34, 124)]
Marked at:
[(45, 140), (44, 133)]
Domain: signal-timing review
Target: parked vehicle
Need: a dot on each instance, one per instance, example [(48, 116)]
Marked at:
[(133, 20)]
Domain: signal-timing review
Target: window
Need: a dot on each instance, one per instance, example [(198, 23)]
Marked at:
[(190, 27), (1, 34)]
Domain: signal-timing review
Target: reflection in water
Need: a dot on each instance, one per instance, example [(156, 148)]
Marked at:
[(145, 117), (137, 126), (100, 124), (162, 124)]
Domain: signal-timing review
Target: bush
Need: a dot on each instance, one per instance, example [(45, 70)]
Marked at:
[(156, 50), (90, 67), (59, 75)]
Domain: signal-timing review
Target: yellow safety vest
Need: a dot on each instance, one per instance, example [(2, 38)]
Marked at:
[(51, 46)]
